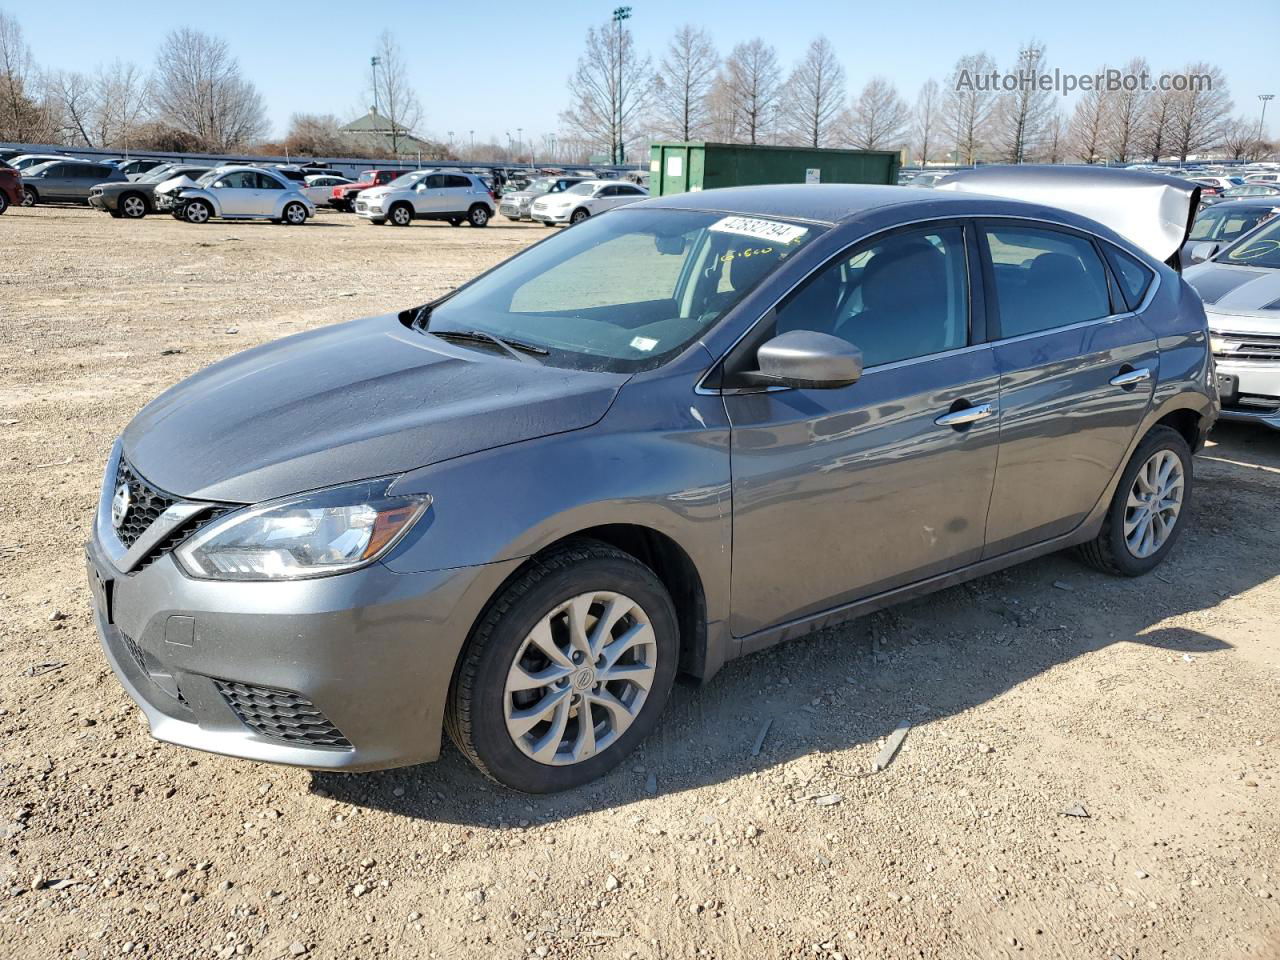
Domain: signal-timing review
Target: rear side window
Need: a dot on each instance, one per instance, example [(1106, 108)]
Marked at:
[(453, 180), (268, 182), (1044, 279), (1134, 276)]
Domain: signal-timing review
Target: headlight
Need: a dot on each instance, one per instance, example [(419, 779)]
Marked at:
[(1217, 344), (312, 535)]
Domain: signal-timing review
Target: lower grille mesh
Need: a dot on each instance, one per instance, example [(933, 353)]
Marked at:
[(281, 715)]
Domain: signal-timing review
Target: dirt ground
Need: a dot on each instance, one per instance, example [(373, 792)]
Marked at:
[(1149, 705)]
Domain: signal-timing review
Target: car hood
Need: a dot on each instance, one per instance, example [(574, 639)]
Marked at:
[(1238, 291), (175, 184), (362, 399)]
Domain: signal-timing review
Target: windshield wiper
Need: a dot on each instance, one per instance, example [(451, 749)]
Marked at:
[(482, 336)]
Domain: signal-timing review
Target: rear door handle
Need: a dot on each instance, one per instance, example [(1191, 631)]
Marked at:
[(960, 418), (1129, 377)]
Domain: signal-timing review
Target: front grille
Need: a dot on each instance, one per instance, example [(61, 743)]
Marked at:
[(1252, 346), (146, 503), (281, 715)]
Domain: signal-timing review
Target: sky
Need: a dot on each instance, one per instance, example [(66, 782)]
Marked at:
[(500, 67)]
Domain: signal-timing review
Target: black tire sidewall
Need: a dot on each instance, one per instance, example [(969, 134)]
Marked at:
[(29, 197), (501, 758), (4, 203), (475, 212), (284, 214), (1161, 438), (192, 204), (575, 218)]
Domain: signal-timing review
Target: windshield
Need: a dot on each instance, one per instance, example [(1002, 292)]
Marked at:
[(211, 176), (627, 291), (582, 189), (156, 174), (1224, 223), (540, 186), (1260, 249), (408, 180)]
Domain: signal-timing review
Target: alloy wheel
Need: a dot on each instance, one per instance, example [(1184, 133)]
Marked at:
[(295, 214), (1155, 501), (133, 207), (580, 678), (28, 197), (197, 213), (400, 216)]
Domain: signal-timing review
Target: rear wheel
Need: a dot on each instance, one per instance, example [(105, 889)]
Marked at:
[(197, 211), (132, 206), (4, 202), (1145, 516), (478, 215), (294, 214), (29, 197), (455, 221), (568, 670), (578, 216), (400, 215)]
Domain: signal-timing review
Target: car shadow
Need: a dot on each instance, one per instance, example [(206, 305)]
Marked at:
[(849, 686)]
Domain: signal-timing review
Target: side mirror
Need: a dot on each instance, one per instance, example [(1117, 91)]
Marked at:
[(1204, 251), (422, 186), (808, 359)]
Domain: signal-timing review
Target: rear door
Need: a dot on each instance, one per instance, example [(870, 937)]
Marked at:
[(840, 494), (457, 194), (1077, 372)]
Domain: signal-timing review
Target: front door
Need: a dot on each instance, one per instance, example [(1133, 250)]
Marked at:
[(841, 494), (237, 193), (1077, 371)]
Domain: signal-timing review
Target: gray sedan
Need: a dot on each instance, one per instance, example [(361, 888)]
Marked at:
[(678, 433)]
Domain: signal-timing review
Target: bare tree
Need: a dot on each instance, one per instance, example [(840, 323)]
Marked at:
[(1089, 124), (1200, 111), (1053, 143), (1241, 140), (723, 118), (1153, 136), (753, 83), (609, 92), (199, 90), (315, 135), (814, 96), (1020, 113), (969, 105), (1127, 114), (22, 118), (75, 98), (683, 86), (928, 118), (879, 118), (392, 91)]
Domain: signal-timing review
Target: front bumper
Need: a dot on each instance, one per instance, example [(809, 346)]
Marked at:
[(349, 672), (551, 216), (1257, 390), (513, 211), (370, 211), (99, 202)]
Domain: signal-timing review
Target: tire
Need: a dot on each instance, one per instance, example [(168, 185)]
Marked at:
[(578, 216), (197, 211), (455, 221), (1112, 551), (294, 214), (132, 206), (478, 215), (4, 202), (512, 219), (400, 215), (476, 717), (29, 197)]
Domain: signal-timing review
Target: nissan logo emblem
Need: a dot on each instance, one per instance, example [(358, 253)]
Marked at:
[(120, 505)]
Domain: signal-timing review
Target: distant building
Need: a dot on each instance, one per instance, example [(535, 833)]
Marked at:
[(374, 133)]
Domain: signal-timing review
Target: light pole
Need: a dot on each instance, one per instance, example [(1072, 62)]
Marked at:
[(373, 68), (519, 139), (619, 14), (1265, 98)]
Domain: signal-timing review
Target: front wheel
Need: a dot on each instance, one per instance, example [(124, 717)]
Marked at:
[(197, 211), (578, 216), (132, 206), (1145, 515), (478, 216), (4, 202), (400, 215), (568, 670), (29, 197)]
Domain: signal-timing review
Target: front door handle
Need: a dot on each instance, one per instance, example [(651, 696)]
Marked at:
[(1128, 378), (965, 416)]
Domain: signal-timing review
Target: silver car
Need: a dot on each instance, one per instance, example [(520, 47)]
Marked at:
[(515, 205), (1240, 286), (666, 438), (65, 180), (243, 193)]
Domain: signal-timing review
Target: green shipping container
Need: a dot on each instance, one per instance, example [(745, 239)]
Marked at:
[(679, 167)]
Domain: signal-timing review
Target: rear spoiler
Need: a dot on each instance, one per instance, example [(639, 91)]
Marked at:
[(1152, 211)]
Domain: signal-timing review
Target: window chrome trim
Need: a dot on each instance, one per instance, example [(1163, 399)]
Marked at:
[(701, 389)]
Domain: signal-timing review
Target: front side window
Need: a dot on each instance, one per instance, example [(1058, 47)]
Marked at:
[(240, 180), (627, 291), (902, 296), (1044, 279)]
